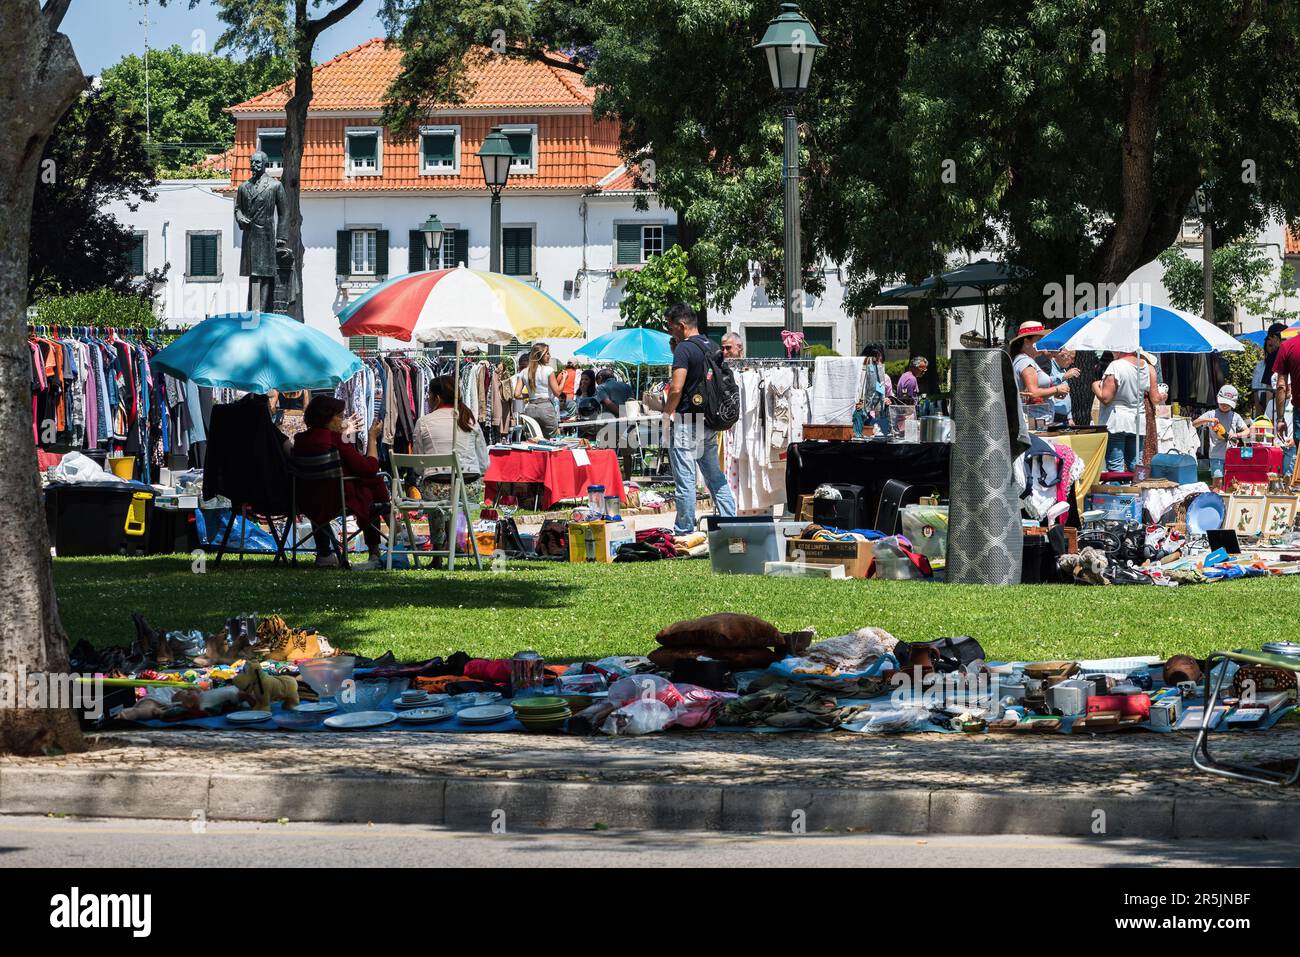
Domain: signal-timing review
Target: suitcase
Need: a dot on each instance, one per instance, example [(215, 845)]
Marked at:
[(844, 512), (1180, 469), (1252, 464)]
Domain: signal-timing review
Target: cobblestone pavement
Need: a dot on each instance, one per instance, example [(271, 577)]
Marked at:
[(1137, 764)]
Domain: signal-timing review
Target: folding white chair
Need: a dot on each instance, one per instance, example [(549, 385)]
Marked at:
[(402, 506)]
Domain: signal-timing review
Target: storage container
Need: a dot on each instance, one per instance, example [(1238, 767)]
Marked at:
[(743, 548), (1175, 467), (926, 527), (1125, 507)]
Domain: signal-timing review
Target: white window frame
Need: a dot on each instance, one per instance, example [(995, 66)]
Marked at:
[(517, 169), (351, 131), (144, 252), (454, 168), (645, 258), (532, 255), (373, 233), (189, 250), (274, 170), (446, 228)]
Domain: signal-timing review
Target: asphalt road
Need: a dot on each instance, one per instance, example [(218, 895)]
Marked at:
[(71, 842)]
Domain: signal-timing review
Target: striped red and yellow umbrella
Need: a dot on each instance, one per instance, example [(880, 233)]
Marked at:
[(464, 305)]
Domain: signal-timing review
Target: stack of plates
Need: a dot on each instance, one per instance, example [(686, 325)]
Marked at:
[(542, 713), (423, 715), (419, 699), (486, 714)]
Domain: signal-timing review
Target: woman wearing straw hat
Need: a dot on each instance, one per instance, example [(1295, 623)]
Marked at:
[(1035, 385)]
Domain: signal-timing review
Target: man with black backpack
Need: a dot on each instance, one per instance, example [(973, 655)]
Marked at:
[(702, 400)]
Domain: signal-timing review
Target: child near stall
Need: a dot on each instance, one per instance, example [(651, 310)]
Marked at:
[(1225, 424)]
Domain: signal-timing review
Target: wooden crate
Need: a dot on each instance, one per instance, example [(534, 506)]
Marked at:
[(834, 433)]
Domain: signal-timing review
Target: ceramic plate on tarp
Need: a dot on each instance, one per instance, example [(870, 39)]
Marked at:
[(248, 717), (487, 714), (315, 707), (539, 703), (360, 719), (424, 715)]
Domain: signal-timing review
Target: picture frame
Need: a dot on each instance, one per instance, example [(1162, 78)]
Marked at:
[(1279, 514), (1245, 514)]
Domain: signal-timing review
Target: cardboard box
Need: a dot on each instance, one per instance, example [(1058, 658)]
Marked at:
[(597, 541), (806, 508), (856, 557), (1136, 705)]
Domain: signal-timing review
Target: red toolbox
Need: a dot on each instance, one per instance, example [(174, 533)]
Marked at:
[(1138, 705), (1252, 464)]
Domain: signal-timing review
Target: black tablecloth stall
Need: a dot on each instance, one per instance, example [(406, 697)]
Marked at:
[(869, 464)]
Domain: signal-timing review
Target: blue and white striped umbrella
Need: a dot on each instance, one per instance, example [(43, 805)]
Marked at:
[(1130, 326)]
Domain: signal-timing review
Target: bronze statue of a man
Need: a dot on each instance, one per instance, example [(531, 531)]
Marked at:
[(262, 212)]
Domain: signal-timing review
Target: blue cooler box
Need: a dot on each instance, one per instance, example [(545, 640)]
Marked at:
[(1174, 467)]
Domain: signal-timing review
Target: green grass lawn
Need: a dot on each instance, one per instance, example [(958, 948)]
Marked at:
[(587, 611)]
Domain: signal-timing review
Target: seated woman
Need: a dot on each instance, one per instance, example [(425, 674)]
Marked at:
[(446, 429), (365, 492)]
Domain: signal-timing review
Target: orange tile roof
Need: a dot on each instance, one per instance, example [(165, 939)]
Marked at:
[(1292, 242), (358, 78), (574, 150)]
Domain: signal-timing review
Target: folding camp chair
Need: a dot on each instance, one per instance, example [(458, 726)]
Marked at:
[(1201, 757), (402, 506), (323, 468)]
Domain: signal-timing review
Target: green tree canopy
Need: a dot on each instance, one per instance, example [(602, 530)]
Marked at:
[(96, 156), (1242, 276), (650, 290), (188, 93)]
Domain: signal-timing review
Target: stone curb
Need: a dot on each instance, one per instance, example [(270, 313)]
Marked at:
[(484, 803)]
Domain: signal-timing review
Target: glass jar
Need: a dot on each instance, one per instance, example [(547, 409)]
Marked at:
[(596, 498)]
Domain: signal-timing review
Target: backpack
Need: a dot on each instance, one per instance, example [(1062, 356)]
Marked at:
[(553, 539), (717, 397)]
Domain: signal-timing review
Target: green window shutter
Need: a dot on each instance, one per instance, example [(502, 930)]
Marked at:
[(273, 147), (628, 241), (357, 343), (764, 342), (416, 251), (670, 236), (439, 149), (363, 146), (203, 255), (819, 336), (716, 335), (522, 143), (343, 252), (381, 253), (135, 255), (517, 252)]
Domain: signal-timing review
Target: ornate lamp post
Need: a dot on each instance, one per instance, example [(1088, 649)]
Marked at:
[(791, 45), (433, 233), (496, 155)]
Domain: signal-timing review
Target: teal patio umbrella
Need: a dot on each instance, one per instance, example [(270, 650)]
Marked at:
[(638, 347), (258, 352)]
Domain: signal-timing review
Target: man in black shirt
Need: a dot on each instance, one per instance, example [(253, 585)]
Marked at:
[(693, 443)]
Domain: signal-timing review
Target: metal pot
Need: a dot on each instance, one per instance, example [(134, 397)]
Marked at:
[(936, 428)]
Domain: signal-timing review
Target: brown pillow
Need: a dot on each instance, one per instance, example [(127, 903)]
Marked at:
[(723, 630)]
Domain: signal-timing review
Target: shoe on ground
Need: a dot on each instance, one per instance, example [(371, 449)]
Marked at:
[(369, 564), (327, 561)]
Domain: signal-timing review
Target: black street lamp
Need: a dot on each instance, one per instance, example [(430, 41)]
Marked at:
[(496, 155), (433, 233), (791, 44)]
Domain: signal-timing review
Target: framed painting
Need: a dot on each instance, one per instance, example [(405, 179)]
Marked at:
[(1279, 514), (1245, 514)]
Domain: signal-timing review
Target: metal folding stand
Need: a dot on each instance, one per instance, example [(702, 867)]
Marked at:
[(1201, 757)]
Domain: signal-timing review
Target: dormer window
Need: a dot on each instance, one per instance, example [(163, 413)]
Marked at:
[(440, 150), (365, 151), (523, 140), (271, 142)]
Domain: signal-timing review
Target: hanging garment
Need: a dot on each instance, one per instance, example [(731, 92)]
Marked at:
[(837, 385)]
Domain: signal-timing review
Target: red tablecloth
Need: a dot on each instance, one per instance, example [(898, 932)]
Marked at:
[(560, 476)]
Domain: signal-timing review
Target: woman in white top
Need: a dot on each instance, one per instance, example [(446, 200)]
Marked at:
[(1122, 389), (444, 430), (538, 386), (1036, 388)]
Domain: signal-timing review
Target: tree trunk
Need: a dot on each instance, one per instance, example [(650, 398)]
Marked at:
[(303, 32), (686, 239), (40, 81), (921, 341)]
